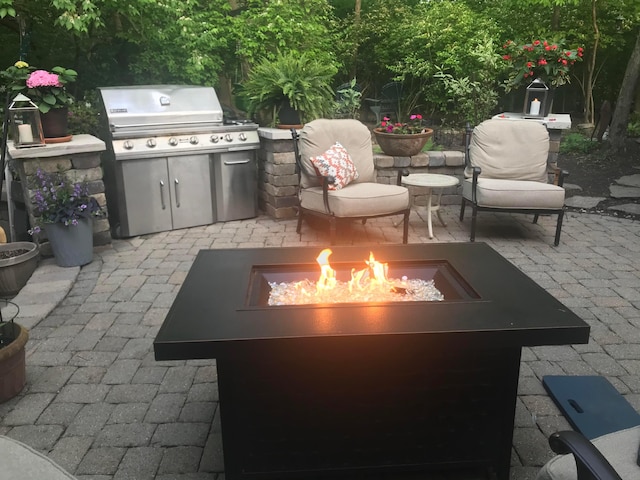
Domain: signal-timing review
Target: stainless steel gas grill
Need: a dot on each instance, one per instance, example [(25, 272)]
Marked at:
[(172, 160)]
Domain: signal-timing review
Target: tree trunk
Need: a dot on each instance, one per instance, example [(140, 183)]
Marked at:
[(618, 128), (589, 108), (356, 23)]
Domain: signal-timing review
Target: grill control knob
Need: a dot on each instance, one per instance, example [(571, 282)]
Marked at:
[(242, 137), (173, 141), (228, 137), (214, 138), (128, 144), (151, 143), (194, 140)]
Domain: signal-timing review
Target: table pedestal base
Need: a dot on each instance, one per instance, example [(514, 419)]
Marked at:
[(334, 406)]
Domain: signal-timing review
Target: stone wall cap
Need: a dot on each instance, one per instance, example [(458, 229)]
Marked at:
[(554, 121), (82, 143), (274, 133)]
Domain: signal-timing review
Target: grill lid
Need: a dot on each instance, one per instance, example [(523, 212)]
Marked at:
[(160, 107)]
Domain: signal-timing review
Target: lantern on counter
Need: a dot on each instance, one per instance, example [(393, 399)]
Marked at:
[(536, 100), (26, 126)]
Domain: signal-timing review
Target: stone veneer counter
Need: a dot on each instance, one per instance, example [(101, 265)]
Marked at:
[(79, 159)]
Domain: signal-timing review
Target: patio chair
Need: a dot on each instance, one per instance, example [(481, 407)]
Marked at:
[(610, 457), (506, 171), (337, 179), (389, 102)]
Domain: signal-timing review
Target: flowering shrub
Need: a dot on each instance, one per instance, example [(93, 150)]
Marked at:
[(414, 125), (46, 89), (56, 200), (549, 61)]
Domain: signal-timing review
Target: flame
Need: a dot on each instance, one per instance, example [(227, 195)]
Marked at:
[(371, 278), (327, 280)]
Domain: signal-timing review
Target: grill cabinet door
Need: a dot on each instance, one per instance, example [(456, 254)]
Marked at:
[(190, 184), (146, 193)]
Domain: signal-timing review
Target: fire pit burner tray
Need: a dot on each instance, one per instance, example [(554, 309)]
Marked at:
[(326, 390)]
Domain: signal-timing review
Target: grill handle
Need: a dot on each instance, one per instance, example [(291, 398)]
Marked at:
[(164, 206), (176, 182), (115, 126), (237, 162)]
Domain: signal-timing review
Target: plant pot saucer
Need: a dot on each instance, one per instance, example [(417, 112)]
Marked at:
[(64, 139)]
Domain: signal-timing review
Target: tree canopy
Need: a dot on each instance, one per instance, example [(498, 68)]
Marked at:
[(445, 51)]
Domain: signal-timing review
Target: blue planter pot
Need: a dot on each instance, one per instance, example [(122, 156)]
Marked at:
[(72, 246)]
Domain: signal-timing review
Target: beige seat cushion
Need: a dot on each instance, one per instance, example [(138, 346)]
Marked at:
[(358, 199), (510, 150), (319, 135), (619, 448), (21, 462), (515, 194)]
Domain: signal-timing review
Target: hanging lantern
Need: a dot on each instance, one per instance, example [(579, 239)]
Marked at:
[(26, 127), (536, 99)]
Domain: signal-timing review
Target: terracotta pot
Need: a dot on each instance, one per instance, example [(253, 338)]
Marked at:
[(12, 361), (55, 122), (397, 145)]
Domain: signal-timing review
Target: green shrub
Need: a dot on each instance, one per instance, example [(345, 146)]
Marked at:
[(633, 127), (575, 142)]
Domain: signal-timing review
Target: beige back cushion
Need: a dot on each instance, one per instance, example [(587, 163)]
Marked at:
[(317, 136), (510, 150)]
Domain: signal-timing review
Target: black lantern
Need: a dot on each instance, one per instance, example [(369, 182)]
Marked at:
[(536, 99), (26, 127)]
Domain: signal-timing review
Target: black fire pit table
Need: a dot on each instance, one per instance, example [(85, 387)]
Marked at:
[(343, 389)]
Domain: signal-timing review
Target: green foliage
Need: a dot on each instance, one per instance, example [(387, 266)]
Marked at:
[(303, 81), (473, 98), (633, 127), (84, 115), (575, 142), (452, 40), (264, 29), (349, 101)]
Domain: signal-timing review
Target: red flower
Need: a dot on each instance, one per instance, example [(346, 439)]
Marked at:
[(547, 48), (542, 61), (529, 64), (506, 57), (536, 42)]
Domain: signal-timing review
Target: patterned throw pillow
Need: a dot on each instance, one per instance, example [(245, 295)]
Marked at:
[(336, 163)]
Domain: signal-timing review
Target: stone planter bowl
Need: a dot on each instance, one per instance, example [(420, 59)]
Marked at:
[(397, 145), (16, 271)]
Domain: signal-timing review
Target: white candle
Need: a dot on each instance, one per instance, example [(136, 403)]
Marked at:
[(535, 107), (24, 132)]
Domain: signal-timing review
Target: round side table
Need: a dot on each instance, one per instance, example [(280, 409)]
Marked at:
[(431, 181)]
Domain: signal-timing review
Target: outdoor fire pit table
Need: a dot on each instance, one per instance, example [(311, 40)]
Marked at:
[(352, 388)]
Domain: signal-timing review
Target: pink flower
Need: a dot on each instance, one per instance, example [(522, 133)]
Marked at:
[(42, 78)]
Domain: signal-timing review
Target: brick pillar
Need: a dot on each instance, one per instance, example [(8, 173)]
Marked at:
[(277, 177), (79, 160)]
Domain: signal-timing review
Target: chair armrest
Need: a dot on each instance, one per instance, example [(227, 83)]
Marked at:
[(474, 182), (326, 181), (375, 101), (558, 176), (590, 463)]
